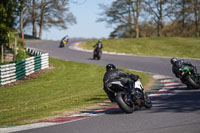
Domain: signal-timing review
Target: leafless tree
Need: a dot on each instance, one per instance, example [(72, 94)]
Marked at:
[(34, 32), (47, 13), (158, 9), (195, 9), (124, 14)]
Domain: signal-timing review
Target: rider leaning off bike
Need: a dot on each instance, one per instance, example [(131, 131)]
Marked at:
[(113, 74), (180, 63)]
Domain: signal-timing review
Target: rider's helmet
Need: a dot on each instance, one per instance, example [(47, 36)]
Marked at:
[(99, 41), (173, 60), (110, 67)]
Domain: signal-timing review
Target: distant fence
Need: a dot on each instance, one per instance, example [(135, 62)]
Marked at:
[(15, 71)]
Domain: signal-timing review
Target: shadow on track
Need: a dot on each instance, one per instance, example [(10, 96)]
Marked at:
[(111, 111), (186, 101), (90, 59)]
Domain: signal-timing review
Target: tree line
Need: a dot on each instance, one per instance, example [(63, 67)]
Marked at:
[(43, 14), (146, 18)]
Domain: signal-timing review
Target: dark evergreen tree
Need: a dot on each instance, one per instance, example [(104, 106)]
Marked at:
[(8, 14)]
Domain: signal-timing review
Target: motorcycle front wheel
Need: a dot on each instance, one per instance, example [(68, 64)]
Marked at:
[(192, 83), (99, 55), (94, 54), (123, 103), (147, 101)]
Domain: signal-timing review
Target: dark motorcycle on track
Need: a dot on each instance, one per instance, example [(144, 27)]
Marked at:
[(97, 54), (188, 77), (130, 102), (186, 72)]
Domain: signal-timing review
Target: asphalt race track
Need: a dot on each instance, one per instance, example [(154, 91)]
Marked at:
[(147, 64), (179, 113)]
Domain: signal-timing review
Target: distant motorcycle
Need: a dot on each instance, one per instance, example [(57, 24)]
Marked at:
[(129, 102), (97, 54), (189, 78), (63, 43)]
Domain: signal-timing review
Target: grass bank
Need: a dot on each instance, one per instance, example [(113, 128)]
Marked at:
[(67, 87), (168, 46)]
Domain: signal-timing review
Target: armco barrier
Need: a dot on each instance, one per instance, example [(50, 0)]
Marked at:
[(15, 71)]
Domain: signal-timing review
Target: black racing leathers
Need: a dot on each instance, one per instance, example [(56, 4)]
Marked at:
[(181, 64), (118, 75), (98, 45)]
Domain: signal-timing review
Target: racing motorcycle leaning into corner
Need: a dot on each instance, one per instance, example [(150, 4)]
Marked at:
[(120, 91), (64, 41), (186, 72)]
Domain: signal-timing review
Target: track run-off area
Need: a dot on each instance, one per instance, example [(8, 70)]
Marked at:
[(175, 107)]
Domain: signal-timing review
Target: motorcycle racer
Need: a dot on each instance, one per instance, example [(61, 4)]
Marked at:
[(97, 51), (64, 41), (114, 74), (180, 63)]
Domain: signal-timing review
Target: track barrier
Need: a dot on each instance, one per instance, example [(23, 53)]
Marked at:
[(15, 71)]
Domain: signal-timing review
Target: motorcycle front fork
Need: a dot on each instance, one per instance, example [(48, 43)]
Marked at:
[(139, 101)]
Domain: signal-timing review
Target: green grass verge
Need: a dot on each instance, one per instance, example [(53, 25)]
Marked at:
[(169, 46), (67, 87)]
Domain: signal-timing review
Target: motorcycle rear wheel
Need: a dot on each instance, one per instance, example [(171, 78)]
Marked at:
[(126, 106)]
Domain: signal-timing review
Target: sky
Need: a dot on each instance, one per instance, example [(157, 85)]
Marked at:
[(86, 13)]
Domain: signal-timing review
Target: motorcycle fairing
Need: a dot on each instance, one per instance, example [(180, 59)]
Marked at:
[(138, 85)]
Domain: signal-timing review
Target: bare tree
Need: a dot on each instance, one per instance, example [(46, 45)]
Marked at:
[(124, 15), (22, 10), (135, 9), (195, 7), (42, 10), (158, 9), (47, 13), (181, 12), (34, 32), (55, 13)]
